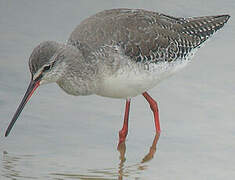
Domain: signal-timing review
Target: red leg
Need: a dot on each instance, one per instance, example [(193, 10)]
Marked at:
[(154, 107), (124, 131)]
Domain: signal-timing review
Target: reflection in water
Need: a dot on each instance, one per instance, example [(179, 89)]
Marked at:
[(131, 172), (10, 164), (12, 167), (121, 172), (152, 149), (140, 166), (148, 157)]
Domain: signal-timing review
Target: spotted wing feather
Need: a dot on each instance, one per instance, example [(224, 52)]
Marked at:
[(144, 35)]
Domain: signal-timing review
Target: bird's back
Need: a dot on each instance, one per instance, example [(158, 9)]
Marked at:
[(145, 36)]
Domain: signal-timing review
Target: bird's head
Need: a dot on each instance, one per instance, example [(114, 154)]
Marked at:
[(44, 60), (44, 68)]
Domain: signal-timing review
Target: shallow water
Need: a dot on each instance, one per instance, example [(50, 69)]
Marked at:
[(61, 137)]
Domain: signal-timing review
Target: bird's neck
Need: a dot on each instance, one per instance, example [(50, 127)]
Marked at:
[(80, 76)]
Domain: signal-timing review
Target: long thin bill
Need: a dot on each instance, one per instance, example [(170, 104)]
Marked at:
[(32, 87)]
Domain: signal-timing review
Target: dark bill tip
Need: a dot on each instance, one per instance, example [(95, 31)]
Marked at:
[(31, 88)]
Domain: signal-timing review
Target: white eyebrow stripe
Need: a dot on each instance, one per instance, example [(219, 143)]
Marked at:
[(38, 73)]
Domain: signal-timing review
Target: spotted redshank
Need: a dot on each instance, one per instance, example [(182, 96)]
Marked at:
[(119, 53)]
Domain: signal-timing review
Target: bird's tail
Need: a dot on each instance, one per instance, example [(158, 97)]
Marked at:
[(204, 27)]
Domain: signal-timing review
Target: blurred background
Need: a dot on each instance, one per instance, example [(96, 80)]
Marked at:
[(60, 137)]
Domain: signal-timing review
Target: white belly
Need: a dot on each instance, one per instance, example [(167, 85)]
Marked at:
[(130, 81)]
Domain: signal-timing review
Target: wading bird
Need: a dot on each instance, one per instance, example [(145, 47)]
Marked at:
[(119, 53)]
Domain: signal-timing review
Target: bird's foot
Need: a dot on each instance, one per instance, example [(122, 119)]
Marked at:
[(122, 144), (122, 137)]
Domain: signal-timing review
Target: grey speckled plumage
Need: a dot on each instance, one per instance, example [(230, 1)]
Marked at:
[(42, 54), (145, 35), (119, 53)]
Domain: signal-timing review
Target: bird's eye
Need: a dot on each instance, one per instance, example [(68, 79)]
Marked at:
[(46, 68)]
